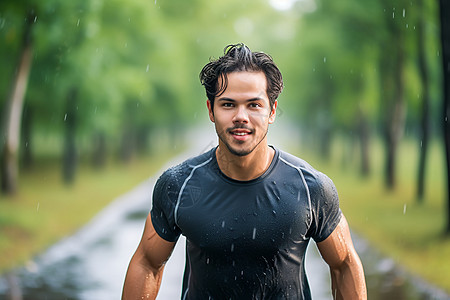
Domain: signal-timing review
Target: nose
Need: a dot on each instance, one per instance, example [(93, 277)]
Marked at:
[(241, 115)]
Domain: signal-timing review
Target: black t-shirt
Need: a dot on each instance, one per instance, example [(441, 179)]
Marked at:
[(245, 239)]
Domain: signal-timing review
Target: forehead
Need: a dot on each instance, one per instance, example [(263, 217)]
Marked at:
[(245, 83)]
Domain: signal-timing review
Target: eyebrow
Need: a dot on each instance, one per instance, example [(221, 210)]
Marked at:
[(233, 100)]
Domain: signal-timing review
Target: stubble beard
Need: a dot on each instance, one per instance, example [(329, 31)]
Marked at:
[(243, 152)]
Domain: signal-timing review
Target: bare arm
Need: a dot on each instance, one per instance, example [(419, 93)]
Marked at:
[(146, 266), (347, 275)]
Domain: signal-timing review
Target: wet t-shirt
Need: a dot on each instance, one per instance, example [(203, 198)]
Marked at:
[(245, 239)]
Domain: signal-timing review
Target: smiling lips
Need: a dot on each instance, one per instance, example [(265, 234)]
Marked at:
[(240, 133)]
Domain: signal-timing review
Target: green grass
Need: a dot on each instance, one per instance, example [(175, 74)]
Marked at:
[(45, 210), (393, 221)]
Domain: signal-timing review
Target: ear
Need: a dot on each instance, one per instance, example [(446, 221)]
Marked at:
[(273, 112), (210, 110)]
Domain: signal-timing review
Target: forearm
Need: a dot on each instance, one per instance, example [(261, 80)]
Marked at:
[(141, 281), (347, 281)]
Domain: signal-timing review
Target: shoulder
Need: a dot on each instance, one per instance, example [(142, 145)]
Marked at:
[(316, 181), (174, 176)]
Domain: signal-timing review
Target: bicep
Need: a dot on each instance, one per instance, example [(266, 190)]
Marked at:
[(153, 251), (338, 247)]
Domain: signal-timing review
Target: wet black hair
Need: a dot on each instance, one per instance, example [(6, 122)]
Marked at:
[(239, 57)]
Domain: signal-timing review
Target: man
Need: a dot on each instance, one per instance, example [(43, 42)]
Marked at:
[(247, 209)]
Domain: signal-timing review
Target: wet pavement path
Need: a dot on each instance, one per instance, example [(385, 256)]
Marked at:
[(92, 263)]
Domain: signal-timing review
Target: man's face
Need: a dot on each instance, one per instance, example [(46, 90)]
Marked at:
[(242, 114)]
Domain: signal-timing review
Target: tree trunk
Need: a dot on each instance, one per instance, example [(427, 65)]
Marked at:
[(425, 120), (445, 38), (99, 150), (395, 112), (13, 116), (27, 125), (363, 134), (70, 152)]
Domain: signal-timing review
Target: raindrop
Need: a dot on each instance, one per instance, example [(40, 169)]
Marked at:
[(255, 213), (223, 224), (232, 247), (65, 117), (242, 272), (324, 59), (35, 19), (404, 13), (274, 212), (254, 233), (207, 261), (148, 67), (37, 208), (78, 22), (404, 208)]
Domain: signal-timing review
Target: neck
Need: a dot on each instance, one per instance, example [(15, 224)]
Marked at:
[(246, 167)]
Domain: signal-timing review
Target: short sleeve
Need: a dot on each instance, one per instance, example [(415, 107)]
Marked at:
[(325, 208), (163, 207)]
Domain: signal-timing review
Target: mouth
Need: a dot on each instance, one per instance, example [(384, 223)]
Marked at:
[(240, 133)]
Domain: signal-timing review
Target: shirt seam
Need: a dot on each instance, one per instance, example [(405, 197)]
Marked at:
[(302, 176), (184, 186)]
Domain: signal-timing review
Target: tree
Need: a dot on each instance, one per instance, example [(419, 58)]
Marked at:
[(425, 97), (445, 39), (13, 113)]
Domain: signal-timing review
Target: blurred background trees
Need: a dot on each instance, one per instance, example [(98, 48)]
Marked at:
[(98, 80)]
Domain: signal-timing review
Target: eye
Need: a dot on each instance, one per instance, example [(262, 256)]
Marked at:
[(227, 104), (254, 105)]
